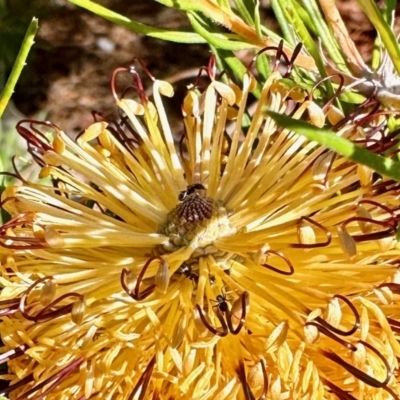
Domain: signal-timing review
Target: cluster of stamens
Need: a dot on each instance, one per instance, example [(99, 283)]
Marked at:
[(199, 219)]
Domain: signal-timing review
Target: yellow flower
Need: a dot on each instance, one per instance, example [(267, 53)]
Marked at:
[(245, 263)]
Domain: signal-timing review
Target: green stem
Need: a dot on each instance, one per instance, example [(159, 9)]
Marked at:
[(19, 64)]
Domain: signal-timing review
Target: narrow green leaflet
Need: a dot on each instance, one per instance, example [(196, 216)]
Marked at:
[(388, 14), (263, 67), (257, 19), (389, 10), (344, 147), (173, 36), (376, 54), (19, 64), (309, 43), (218, 41), (287, 29), (244, 12), (324, 33), (183, 5), (306, 17), (352, 97), (386, 33)]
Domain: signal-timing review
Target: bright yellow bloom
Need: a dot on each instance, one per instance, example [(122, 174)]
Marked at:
[(245, 263)]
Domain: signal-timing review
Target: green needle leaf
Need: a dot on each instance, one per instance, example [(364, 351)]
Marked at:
[(19, 64), (218, 41), (309, 43), (344, 147), (173, 36), (244, 12), (313, 12), (283, 20), (386, 33)]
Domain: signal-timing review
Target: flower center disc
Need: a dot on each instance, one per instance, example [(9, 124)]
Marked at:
[(196, 221)]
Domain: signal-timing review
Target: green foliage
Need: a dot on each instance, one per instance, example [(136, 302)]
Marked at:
[(379, 21), (18, 65), (300, 21), (220, 40), (329, 139), (8, 138), (15, 16)]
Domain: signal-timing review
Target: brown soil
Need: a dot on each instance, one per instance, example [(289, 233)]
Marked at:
[(75, 53)]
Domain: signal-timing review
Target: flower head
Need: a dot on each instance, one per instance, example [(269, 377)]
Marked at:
[(244, 263)]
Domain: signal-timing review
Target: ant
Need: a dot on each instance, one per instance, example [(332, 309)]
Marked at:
[(224, 315), (221, 303), (186, 270), (191, 189)]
